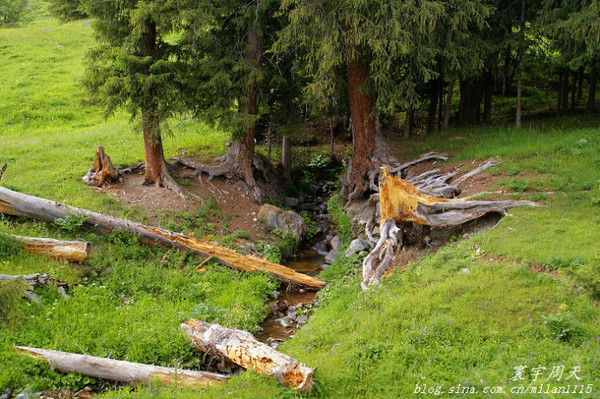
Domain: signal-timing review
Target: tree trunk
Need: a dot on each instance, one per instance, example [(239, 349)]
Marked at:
[(102, 170), (156, 169), (433, 97), (286, 157), (13, 203), (487, 96), (591, 102), (409, 123), (448, 106), (243, 349), (470, 102), (440, 105), (362, 103), (3, 169), (506, 77), (118, 370), (518, 117), (76, 251), (580, 83), (573, 90)]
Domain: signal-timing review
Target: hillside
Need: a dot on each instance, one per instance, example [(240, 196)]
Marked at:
[(461, 321)]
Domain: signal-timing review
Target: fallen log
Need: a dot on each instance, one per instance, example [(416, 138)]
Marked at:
[(119, 370), (34, 280), (76, 251), (402, 204), (14, 203), (243, 349)]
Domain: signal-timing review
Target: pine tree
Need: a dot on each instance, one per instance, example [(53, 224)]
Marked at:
[(135, 68), (388, 48)]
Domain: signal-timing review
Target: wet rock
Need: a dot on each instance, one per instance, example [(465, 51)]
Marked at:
[(302, 320), (288, 222), (336, 243), (291, 202), (325, 266), (291, 312), (286, 321), (357, 246), (332, 256)]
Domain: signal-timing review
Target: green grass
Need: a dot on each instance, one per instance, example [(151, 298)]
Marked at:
[(466, 315)]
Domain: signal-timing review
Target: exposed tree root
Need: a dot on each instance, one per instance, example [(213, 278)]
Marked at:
[(408, 207), (167, 181), (232, 166)]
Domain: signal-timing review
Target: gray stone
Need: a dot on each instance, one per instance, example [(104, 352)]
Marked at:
[(302, 319), (291, 202), (582, 141), (332, 256), (325, 266), (357, 246), (335, 242), (288, 222), (286, 321)]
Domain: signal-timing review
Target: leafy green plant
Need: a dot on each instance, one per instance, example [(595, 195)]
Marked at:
[(335, 207), (11, 294), (8, 247), (562, 326), (519, 185), (71, 222), (271, 252)]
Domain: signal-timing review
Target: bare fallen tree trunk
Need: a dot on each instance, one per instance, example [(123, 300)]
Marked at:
[(400, 202), (18, 204), (118, 370), (243, 349), (76, 251)]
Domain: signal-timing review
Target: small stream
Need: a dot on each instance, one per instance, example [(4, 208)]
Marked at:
[(291, 306)]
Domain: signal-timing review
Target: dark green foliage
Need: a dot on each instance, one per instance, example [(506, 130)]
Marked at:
[(67, 10), (11, 295), (9, 247), (562, 327), (12, 11)]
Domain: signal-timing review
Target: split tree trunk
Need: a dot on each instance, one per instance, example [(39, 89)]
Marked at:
[(243, 349), (34, 280), (13, 203), (118, 370), (362, 103), (76, 251), (402, 204)]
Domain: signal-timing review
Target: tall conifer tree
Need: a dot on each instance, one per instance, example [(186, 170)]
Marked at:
[(135, 68)]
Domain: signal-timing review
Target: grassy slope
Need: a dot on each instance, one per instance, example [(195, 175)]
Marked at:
[(132, 298), (434, 324)]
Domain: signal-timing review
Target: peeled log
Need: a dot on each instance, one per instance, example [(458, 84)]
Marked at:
[(243, 349), (118, 370), (14, 203), (77, 251), (401, 202)]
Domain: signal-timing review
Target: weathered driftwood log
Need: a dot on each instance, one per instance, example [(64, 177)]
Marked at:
[(118, 370), (77, 251), (18, 204), (102, 170), (401, 203), (243, 349)]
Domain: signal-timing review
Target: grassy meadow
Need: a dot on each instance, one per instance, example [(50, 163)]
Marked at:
[(458, 322)]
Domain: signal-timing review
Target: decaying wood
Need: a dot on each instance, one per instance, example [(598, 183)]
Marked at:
[(34, 280), (243, 349), (14, 203), (3, 169), (76, 251), (102, 170), (402, 204), (118, 370)]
